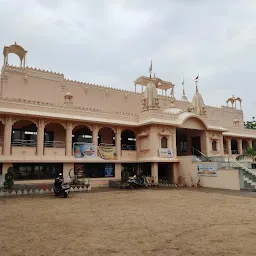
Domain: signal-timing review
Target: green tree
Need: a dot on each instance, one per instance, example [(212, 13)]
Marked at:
[(250, 153), (9, 178), (250, 124)]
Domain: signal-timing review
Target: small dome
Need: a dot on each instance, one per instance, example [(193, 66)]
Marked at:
[(173, 110), (68, 94)]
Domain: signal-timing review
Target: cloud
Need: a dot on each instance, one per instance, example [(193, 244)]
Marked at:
[(111, 42)]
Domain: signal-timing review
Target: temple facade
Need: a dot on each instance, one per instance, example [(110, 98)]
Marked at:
[(50, 124)]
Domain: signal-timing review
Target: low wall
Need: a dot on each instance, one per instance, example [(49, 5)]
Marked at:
[(225, 179)]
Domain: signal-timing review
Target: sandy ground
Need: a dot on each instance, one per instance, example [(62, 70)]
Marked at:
[(141, 222)]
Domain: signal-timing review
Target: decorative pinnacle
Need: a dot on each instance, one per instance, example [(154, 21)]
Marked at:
[(196, 85)]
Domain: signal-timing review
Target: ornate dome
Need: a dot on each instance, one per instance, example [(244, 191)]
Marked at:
[(173, 110), (198, 103)]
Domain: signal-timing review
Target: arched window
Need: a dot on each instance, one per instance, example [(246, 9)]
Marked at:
[(214, 145), (164, 142)]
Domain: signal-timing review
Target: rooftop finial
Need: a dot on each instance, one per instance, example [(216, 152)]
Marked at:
[(150, 69), (196, 81), (183, 86)]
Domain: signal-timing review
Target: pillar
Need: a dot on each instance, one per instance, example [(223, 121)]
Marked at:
[(229, 146), (154, 172), (250, 143), (175, 173), (118, 171), (68, 167), (95, 135), (174, 146), (118, 141), (7, 136), (69, 139), (40, 138), (240, 146)]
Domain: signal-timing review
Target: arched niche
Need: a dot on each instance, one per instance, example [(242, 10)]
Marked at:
[(194, 123), (106, 135), (82, 133), (24, 133)]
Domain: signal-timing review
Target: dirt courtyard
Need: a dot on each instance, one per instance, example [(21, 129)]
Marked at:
[(140, 222)]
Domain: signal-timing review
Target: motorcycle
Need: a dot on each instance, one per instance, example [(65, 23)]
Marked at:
[(137, 182), (63, 190)]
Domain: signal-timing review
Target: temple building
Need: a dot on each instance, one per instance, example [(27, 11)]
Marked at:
[(50, 124)]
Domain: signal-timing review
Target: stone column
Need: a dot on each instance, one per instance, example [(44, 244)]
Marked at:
[(95, 135), (69, 129), (250, 143), (118, 171), (174, 147), (7, 136), (40, 138), (175, 173), (154, 172), (229, 146), (240, 146), (118, 141)]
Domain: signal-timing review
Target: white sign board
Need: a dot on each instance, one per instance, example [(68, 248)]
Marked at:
[(207, 169), (165, 153)]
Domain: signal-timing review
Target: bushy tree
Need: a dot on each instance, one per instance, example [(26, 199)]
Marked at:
[(250, 153), (250, 124), (9, 178)]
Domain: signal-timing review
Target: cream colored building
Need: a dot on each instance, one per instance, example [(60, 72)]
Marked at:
[(51, 124)]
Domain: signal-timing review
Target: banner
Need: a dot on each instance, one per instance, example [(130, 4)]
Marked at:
[(84, 150), (109, 170), (107, 153), (165, 152), (207, 169)]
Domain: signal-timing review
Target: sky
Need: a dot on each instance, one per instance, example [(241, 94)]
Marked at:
[(111, 42)]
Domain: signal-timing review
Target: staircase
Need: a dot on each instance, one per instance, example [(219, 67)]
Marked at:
[(247, 175)]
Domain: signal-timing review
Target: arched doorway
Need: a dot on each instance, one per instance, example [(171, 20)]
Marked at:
[(24, 133), (54, 135), (106, 136), (81, 133)]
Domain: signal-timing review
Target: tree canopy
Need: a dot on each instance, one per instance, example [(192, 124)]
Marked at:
[(250, 124)]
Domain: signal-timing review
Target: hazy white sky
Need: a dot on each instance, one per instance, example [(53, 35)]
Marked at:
[(111, 42)]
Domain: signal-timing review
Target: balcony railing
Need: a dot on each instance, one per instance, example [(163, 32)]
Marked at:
[(234, 152), (54, 144), (128, 147), (23, 143)]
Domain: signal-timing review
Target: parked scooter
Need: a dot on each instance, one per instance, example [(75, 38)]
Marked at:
[(138, 181), (62, 190)]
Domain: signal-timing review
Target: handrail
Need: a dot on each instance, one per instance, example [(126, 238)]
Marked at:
[(54, 144), (242, 166), (128, 147), (106, 145), (23, 143), (200, 152)]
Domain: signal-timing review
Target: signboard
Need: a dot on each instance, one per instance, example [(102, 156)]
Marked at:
[(108, 153), (165, 152), (109, 170), (207, 169), (84, 150)]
